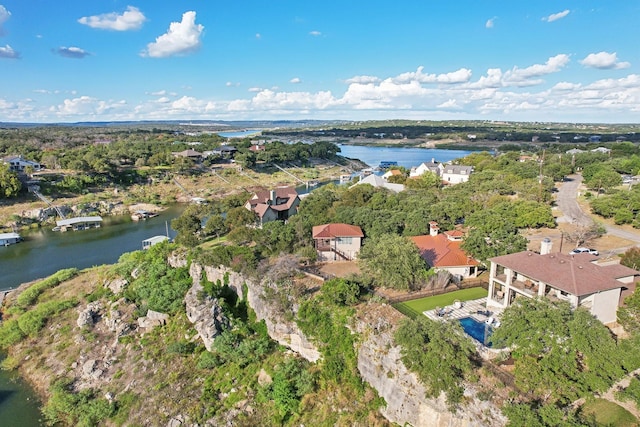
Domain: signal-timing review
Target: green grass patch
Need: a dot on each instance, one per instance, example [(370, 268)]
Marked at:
[(31, 294), (607, 413), (415, 307)]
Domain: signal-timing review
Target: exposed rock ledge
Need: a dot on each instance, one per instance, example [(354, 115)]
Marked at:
[(380, 364), (284, 332)]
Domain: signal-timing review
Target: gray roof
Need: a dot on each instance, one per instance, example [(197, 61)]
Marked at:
[(9, 236), (78, 220)]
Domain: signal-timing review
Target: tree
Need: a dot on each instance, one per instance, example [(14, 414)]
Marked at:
[(240, 217), (10, 185), (631, 258), (188, 226), (560, 354), (393, 261), (215, 225), (439, 353)]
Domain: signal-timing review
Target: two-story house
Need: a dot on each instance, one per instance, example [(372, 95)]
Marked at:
[(277, 204), (337, 241)]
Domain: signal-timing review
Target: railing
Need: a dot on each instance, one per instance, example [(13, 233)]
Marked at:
[(434, 291)]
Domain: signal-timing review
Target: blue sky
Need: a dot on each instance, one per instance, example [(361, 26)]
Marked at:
[(104, 60)]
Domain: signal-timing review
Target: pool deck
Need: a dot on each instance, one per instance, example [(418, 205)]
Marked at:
[(475, 309)]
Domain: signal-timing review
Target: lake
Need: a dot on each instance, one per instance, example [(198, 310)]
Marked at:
[(43, 252), (407, 157), (19, 405), (239, 134)]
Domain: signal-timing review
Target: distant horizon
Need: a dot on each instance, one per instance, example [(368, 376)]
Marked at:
[(120, 61)]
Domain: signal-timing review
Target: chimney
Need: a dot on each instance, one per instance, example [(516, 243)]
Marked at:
[(433, 228), (545, 246), (272, 196)]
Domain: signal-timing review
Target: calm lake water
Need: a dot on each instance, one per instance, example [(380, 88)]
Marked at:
[(406, 157), (43, 252), (239, 134), (19, 405)]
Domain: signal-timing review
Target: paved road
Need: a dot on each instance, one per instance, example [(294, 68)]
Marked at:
[(572, 213), (567, 202)]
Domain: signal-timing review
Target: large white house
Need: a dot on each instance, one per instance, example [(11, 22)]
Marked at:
[(19, 163), (576, 279), (449, 174)]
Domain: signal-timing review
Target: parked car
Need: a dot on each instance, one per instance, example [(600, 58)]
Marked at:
[(577, 251)]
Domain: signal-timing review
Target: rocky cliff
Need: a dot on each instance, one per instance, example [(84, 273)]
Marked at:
[(380, 364)]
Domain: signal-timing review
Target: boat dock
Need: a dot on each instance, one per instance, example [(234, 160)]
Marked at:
[(141, 215), (78, 223), (7, 239)]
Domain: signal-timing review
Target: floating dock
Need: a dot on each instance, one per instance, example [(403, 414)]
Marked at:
[(78, 223)]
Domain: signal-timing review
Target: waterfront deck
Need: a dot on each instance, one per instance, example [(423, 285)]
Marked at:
[(78, 223)]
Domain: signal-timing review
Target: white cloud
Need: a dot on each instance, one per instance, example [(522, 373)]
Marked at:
[(71, 52), (460, 76), (4, 17), (258, 36), (449, 104), (295, 80), (556, 16), (490, 22), (362, 79), (181, 38), (86, 106), (8, 52), (604, 61), (255, 89), (315, 33), (158, 93), (131, 19), (566, 86), (529, 76)]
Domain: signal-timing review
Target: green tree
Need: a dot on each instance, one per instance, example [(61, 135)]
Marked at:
[(188, 227), (439, 353), (392, 261), (10, 185), (215, 225)]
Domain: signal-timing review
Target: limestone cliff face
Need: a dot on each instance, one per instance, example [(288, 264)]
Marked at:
[(380, 364), (280, 329), (204, 312)]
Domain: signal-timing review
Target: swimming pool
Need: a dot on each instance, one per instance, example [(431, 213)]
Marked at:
[(480, 331)]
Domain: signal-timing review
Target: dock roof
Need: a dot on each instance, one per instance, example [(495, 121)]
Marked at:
[(78, 220), (9, 236)]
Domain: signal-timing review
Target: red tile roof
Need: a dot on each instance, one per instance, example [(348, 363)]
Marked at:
[(336, 230), (575, 274), (438, 251)]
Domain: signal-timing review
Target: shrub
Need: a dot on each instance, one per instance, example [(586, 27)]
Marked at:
[(31, 294)]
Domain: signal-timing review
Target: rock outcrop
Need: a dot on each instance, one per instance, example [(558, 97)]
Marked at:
[(116, 285), (153, 319), (204, 312), (283, 331), (380, 364), (88, 316)]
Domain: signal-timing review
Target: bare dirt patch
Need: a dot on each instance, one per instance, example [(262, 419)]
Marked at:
[(340, 269)]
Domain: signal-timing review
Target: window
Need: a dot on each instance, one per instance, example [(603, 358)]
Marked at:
[(344, 240)]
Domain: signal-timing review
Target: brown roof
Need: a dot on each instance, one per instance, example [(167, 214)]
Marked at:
[(261, 200), (439, 251), (575, 274), (336, 230)]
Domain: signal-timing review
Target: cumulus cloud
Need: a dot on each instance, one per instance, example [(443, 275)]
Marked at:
[(315, 33), (460, 76), (181, 38), (490, 22), (295, 80), (362, 79), (158, 93), (556, 16), (8, 52), (255, 89), (604, 61), (71, 52), (529, 76), (4, 17), (258, 36), (131, 19), (86, 106), (449, 104)]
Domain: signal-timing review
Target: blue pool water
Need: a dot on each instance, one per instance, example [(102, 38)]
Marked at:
[(478, 330)]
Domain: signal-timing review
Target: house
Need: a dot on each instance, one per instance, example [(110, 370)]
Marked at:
[(601, 150), (379, 182), (335, 242), (19, 163), (576, 279), (7, 239), (432, 166), (189, 154), (147, 243), (391, 172), (225, 151), (277, 204), (455, 174), (257, 147), (441, 251)]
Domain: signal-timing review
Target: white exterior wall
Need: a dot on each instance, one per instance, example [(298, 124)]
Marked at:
[(454, 178), (605, 305), (464, 271)]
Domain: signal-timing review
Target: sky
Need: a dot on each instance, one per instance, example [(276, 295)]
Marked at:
[(112, 60)]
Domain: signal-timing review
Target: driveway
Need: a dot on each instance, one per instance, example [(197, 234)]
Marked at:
[(572, 213)]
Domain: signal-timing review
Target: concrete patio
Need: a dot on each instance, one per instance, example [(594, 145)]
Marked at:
[(477, 309)]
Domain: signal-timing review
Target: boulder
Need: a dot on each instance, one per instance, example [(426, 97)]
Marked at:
[(153, 319), (116, 285), (88, 316)]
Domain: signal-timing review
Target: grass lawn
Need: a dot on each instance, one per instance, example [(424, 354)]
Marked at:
[(415, 307), (609, 414)]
